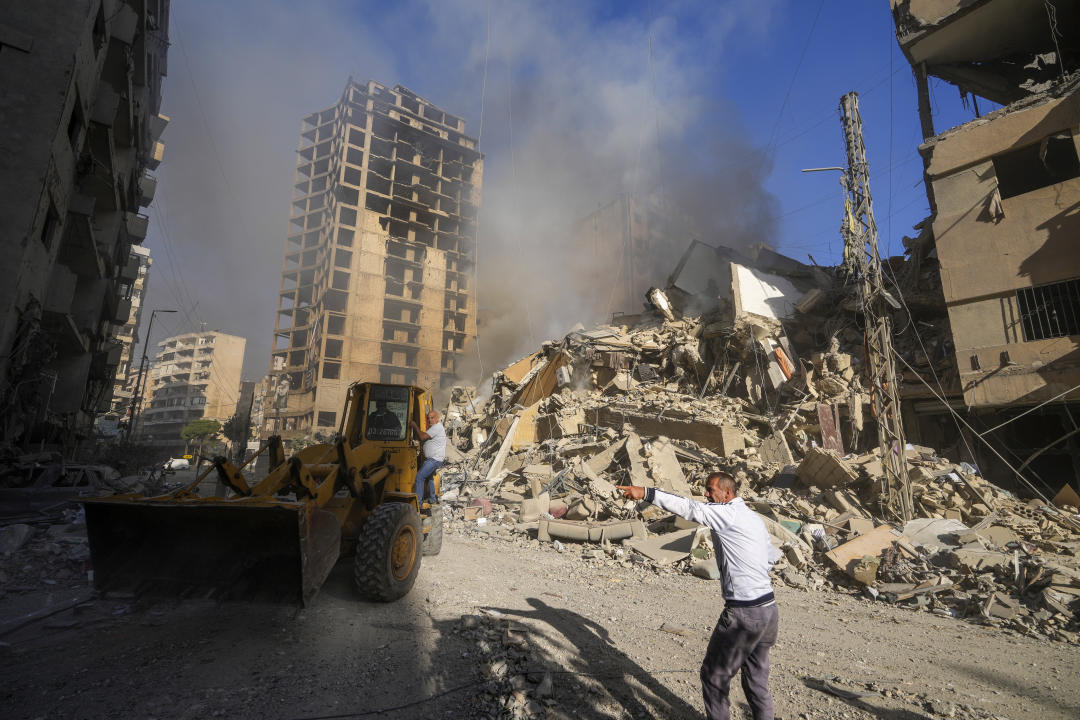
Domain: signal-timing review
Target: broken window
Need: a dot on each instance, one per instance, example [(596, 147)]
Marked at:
[(333, 349), (331, 370), (345, 237), (335, 325), (342, 258), (1050, 311), (348, 216), (75, 124), (327, 418), (1045, 163)]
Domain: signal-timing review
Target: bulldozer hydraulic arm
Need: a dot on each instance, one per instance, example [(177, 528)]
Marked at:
[(230, 475)]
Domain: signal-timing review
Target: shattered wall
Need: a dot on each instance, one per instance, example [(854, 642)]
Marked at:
[(995, 246)]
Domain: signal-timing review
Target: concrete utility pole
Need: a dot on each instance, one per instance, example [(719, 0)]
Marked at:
[(862, 260)]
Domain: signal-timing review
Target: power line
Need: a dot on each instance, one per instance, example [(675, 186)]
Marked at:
[(794, 75)]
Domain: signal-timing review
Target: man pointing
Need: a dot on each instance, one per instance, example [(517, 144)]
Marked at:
[(747, 627)]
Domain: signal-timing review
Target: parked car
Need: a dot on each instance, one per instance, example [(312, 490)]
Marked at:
[(175, 464)]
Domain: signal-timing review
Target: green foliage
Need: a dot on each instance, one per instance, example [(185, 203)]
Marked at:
[(200, 429), (236, 428)]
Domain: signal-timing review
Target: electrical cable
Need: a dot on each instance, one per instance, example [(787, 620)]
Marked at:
[(1029, 410), (986, 442), (791, 85)]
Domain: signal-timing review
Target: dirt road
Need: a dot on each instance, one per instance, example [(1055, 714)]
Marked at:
[(488, 618)]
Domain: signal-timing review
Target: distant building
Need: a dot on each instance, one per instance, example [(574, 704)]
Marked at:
[(1004, 190), (194, 375), (79, 110), (377, 276), (128, 370)]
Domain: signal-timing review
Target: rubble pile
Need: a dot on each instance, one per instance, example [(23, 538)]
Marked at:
[(664, 398), (513, 682), (35, 557)]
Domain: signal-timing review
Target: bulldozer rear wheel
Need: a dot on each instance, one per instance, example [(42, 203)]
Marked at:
[(433, 540), (388, 552)]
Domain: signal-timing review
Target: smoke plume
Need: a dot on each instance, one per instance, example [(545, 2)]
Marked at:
[(581, 103)]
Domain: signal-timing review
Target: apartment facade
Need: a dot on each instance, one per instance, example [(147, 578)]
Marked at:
[(194, 375), (127, 335), (1003, 190), (376, 282), (80, 111)]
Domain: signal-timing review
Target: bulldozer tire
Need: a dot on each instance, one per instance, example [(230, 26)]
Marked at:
[(388, 552), (433, 539)]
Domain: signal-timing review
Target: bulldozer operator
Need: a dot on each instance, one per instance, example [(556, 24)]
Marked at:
[(383, 423), (434, 449)]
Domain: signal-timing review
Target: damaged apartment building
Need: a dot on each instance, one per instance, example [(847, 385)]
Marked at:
[(81, 94), (376, 283), (1004, 192)]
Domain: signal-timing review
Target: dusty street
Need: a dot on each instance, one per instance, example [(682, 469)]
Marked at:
[(488, 617)]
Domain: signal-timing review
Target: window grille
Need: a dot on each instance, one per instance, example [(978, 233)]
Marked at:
[(1050, 311)]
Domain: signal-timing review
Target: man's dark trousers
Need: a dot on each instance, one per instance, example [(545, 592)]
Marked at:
[(741, 641)]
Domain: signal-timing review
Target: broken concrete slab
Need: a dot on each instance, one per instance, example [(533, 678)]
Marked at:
[(665, 470), (533, 508), (610, 531), (847, 556), (581, 509), (667, 548), (1066, 496), (935, 532), (825, 469), (635, 455), (600, 462), (774, 449), (717, 437), (976, 560)]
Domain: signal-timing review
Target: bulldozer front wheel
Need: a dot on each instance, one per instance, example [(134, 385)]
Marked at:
[(388, 552), (433, 540)]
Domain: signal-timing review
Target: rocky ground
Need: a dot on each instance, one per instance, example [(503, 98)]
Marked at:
[(497, 629)]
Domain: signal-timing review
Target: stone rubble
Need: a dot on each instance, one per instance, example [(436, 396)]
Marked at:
[(662, 402)]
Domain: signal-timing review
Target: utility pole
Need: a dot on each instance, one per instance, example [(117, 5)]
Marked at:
[(135, 410), (863, 262)]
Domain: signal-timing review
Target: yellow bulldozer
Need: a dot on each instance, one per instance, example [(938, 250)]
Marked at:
[(279, 538)]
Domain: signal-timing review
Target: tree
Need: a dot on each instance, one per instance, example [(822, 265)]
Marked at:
[(235, 431), (200, 430)]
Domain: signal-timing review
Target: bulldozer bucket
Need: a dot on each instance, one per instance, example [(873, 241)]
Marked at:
[(232, 549)]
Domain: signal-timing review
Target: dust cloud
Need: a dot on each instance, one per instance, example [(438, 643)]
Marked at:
[(583, 102)]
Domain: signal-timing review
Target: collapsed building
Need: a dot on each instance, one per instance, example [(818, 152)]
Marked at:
[(376, 283), (1003, 190), (80, 110), (753, 363)]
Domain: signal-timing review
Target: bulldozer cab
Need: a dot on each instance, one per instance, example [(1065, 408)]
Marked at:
[(378, 419)]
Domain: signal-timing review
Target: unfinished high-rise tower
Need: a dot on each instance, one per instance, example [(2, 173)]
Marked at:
[(376, 284)]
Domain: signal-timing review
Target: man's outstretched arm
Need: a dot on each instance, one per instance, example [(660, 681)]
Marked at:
[(713, 515)]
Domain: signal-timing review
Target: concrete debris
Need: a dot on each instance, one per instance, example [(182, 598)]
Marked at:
[(711, 378)]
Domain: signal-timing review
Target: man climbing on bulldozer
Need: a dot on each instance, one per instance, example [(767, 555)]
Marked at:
[(434, 450)]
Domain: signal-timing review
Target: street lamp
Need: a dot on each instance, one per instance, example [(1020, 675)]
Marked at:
[(139, 381)]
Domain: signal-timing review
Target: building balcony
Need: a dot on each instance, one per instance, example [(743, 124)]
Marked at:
[(137, 226)]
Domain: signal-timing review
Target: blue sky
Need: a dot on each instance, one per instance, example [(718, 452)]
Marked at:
[(739, 96)]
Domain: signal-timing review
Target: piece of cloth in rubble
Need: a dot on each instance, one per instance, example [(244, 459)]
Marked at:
[(743, 551)]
